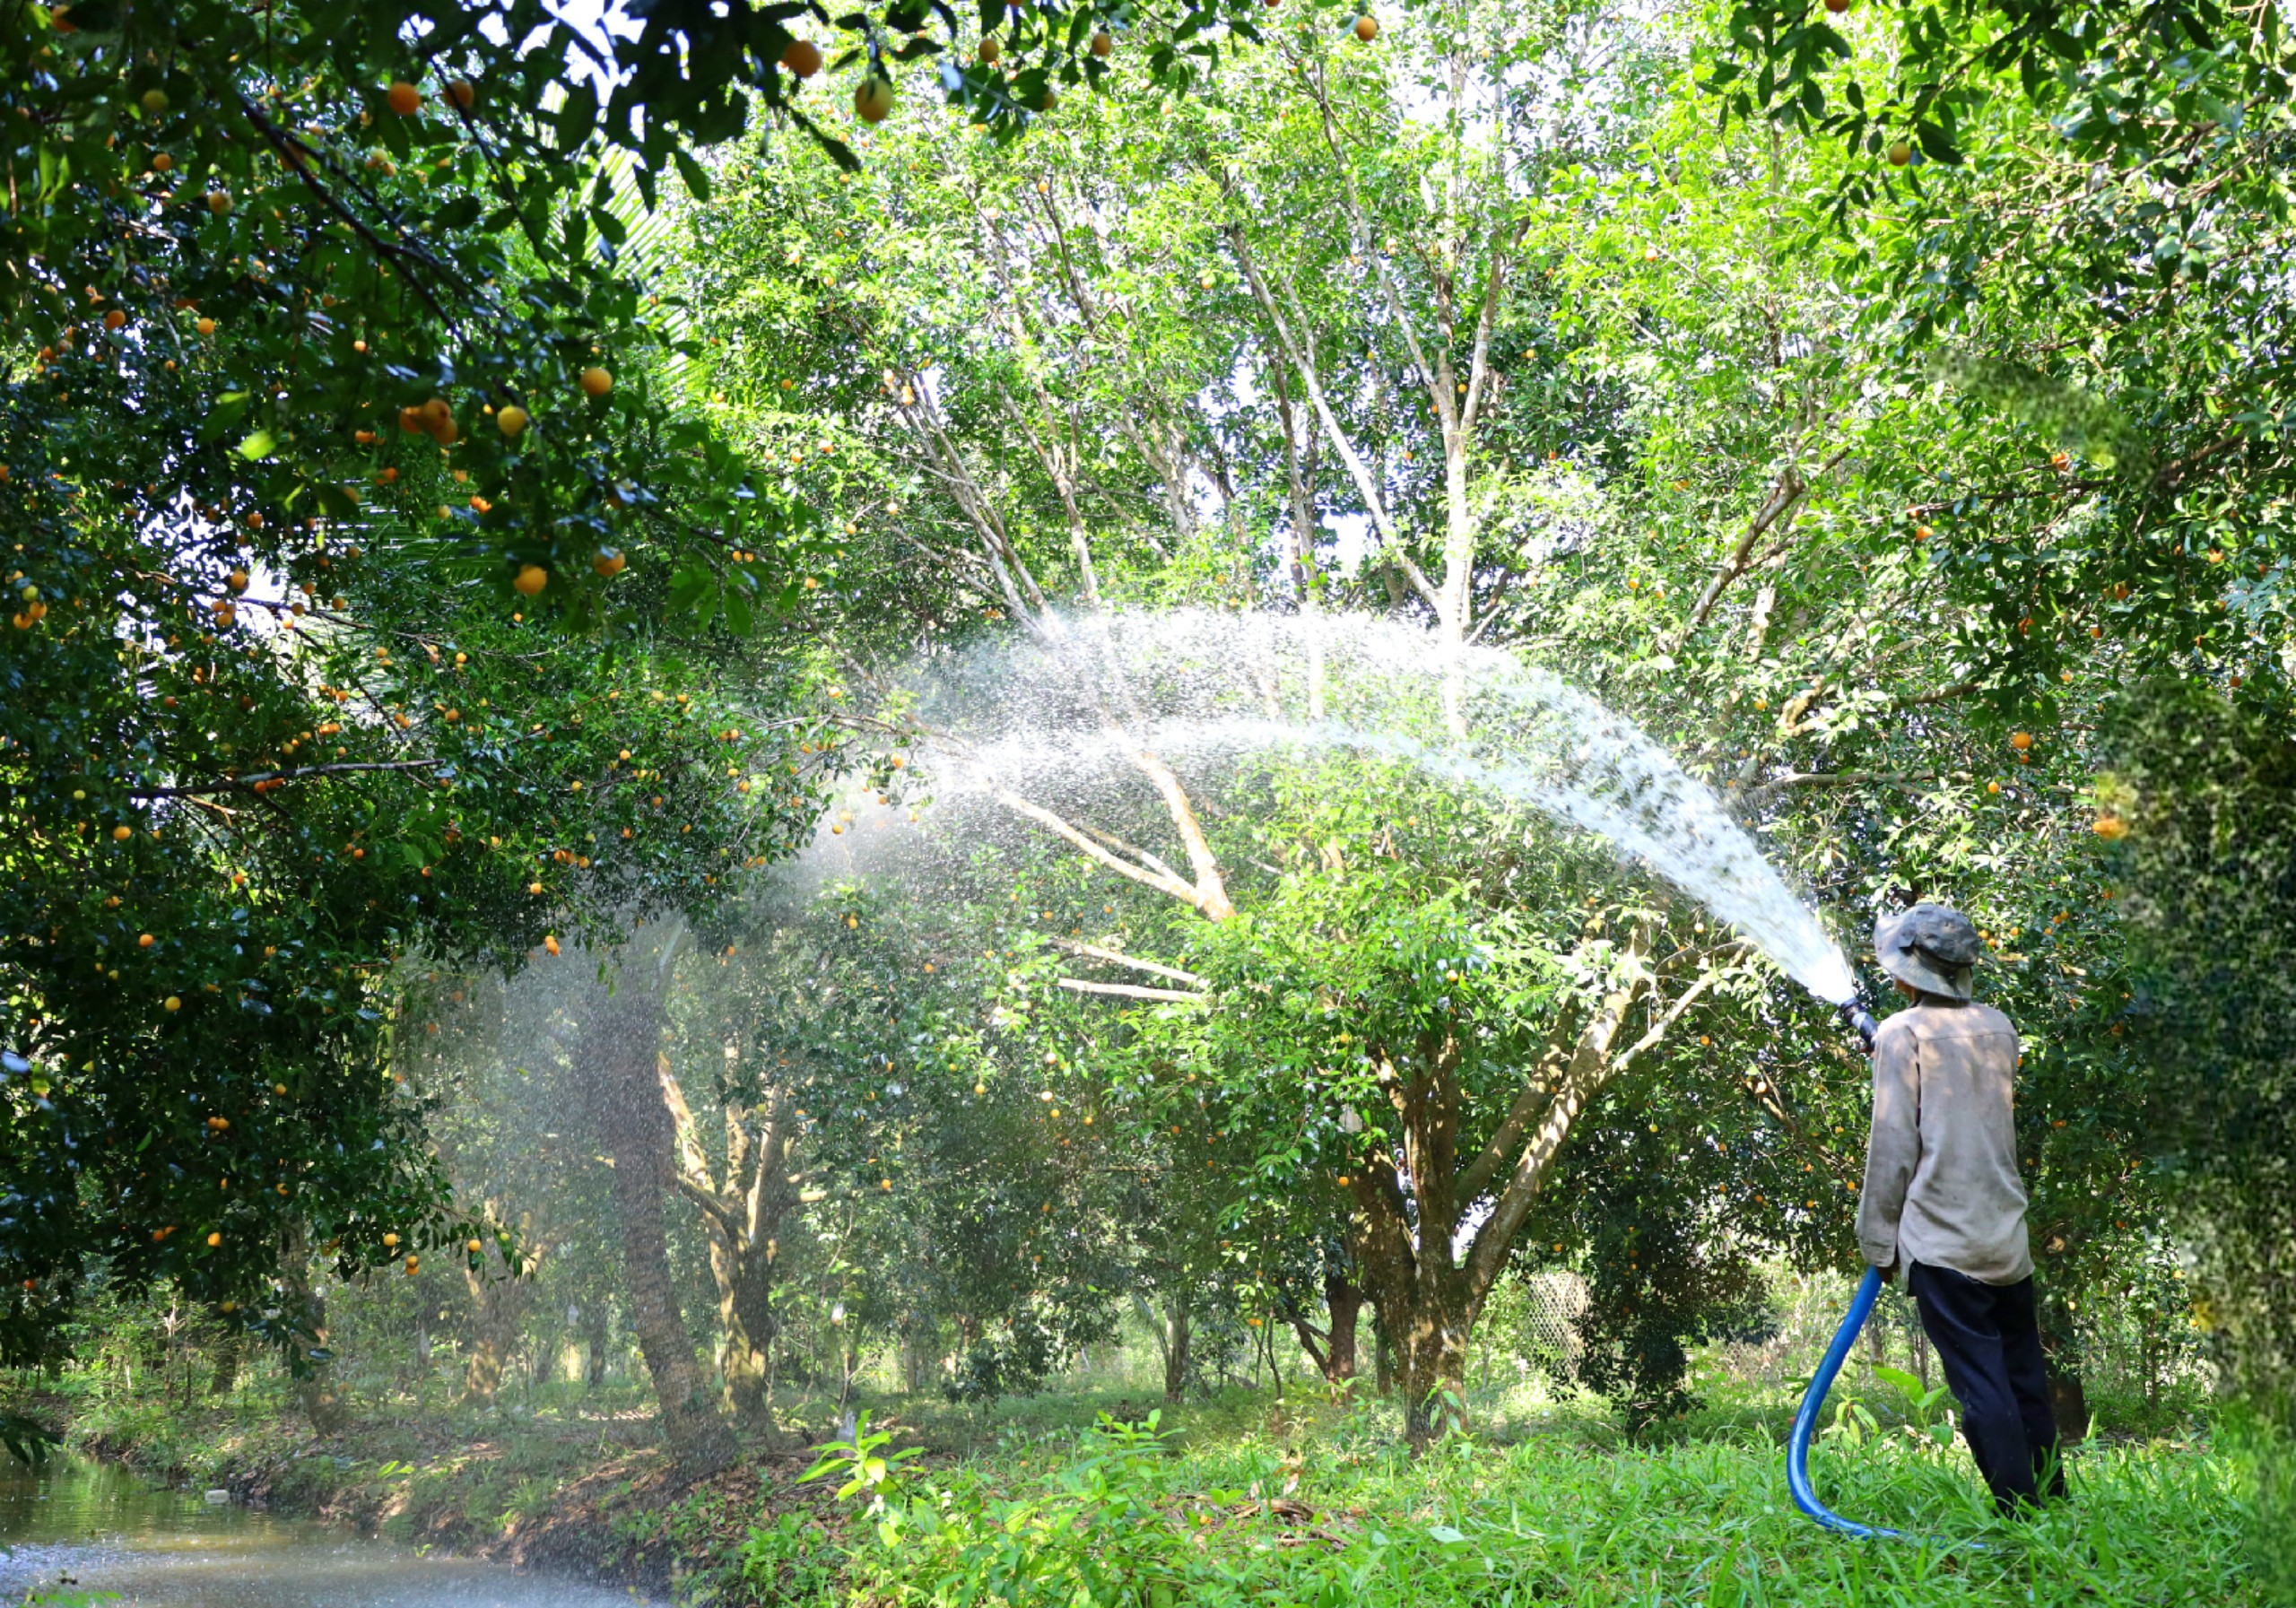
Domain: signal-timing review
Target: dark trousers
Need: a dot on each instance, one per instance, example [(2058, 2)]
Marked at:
[(1991, 1343)]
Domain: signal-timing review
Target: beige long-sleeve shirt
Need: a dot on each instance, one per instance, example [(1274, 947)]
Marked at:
[(1942, 1186)]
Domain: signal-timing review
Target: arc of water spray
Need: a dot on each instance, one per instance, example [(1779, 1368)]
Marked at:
[(1210, 683)]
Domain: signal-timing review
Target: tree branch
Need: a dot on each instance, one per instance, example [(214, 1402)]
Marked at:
[(1121, 959), (246, 784), (1784, 497), (1130, 990)]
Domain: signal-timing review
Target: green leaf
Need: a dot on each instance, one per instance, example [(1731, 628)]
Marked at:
[(258, 445)]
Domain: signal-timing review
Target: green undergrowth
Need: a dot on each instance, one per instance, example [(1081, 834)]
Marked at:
[(1230, 1499), (1124, 1518)]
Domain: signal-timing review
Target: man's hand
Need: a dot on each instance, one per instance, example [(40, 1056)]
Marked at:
[(1889, 1273)]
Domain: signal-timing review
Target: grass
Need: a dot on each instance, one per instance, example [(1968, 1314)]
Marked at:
[(1327, 1512), (1231, 1501)]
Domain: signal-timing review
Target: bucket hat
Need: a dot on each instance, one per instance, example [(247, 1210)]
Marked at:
[(1932, 947)]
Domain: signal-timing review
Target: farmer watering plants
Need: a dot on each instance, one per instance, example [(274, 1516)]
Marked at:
[(1942, 1201)]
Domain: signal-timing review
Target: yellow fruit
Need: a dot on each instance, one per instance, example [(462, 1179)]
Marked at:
[(511, 421), (990, 51), (390, 1242), (172, 1003), (597, 381), (1102, 44), (155, 101), (873, 99), (473, 1246), (804, 57), (213, 1240), (531, 579), (121, 834), (1901, 153), (609, 562), (2112, 829), (404, 98)]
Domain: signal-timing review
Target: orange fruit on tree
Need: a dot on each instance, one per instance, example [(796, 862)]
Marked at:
[(1837, 7), (550, 942), (145, 940), (609, 562), (990, 51), (1101, 43), (2020, 741), (2112, 829), (473, 1246), (803, 57), (1367, 27), (531, 579), (511, 421), (463, 93), (172, 1003), (597, 381), (162, 162), (219, 202), (404, 98), (205, 327), (873, 98), (115, 319), (1901, 153)]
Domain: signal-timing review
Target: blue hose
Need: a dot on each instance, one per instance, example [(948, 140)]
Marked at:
[(1805, 1422)]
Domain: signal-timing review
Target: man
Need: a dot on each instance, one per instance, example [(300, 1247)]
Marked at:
[(1943, 1199)]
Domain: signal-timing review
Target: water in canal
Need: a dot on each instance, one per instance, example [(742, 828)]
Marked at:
[(80, 1530)]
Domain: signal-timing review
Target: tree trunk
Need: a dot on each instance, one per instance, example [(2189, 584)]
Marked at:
[(500, 1302), (1432, 1344), (1383, 1354), (225, 1379), (1176, 1346), (2068, 1397), (592, 1325), (1344, 1301), (634, 1131), (314, 1388)]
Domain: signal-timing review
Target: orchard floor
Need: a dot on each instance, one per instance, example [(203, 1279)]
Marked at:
[(1231, 1501)]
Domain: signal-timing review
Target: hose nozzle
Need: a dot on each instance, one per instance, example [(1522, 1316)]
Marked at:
[(1859, 1021)]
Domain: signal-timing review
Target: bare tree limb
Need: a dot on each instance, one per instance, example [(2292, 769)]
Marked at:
[(1119, 957), (1130, 991)]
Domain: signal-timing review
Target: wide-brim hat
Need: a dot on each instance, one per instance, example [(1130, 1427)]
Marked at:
[(1932, 947)]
